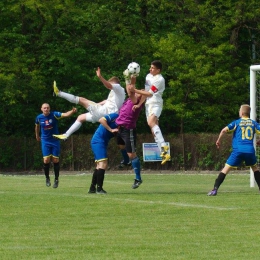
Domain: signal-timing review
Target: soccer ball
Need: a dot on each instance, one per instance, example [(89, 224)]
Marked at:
[(133, 68)]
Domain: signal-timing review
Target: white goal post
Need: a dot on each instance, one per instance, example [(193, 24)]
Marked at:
[(255, 106)]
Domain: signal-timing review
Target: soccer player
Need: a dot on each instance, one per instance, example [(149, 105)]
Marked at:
[(154, 88), (126, 136), (46, 125), (124, 125), (99, 142), (112, 104), (243, 149)]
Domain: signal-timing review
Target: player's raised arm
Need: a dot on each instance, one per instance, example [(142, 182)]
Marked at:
[(106, 83)]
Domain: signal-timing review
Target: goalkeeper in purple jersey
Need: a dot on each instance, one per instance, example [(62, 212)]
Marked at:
[(243, 149), (46, 124)]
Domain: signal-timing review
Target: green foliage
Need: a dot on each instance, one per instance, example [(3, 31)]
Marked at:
[(205, 47)]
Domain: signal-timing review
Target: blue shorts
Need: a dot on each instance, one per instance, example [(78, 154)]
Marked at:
[(236, 158), (50, 148), (100, 151)]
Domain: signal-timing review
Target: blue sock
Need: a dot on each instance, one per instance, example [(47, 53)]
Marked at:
[(137, 168), (125, 156)]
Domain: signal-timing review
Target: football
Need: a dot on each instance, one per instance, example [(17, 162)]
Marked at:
[(133, 68)]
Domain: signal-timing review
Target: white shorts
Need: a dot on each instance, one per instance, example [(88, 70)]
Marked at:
[(96, 111), (153, 109)]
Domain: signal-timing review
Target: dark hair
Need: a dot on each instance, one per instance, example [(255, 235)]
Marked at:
[(157, 64)]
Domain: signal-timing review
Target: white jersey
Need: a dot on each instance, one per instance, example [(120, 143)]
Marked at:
[(155, 85), (115, 98)]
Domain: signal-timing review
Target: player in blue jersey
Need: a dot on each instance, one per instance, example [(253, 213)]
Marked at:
[(243, 149), (46, 124), (99, 142)]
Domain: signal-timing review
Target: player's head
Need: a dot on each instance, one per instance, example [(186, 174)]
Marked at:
[(156, 67), (45, 109), (244, 111), (114, 80)]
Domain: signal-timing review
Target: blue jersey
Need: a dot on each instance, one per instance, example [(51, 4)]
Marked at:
[(102, 135), (100, 139), (48, 125), (244, 130)]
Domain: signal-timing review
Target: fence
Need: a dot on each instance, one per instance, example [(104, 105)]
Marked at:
[(188, 151)]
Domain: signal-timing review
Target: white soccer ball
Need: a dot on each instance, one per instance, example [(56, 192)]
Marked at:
[(133, 68)]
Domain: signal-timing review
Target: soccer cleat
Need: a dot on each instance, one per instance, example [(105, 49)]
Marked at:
[(61, 137), (56, 184), (165, 158), (92, 189), (123, 164), (214, 192), (164, 150), (48, 182), (136, 184), (101, 191), (55, 89)]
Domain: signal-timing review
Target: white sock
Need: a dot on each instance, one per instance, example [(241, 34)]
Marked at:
[(76, 126), (71, 98), (158, 137)]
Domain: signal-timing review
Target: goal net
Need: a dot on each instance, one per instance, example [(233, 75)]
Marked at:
[(255, 109)]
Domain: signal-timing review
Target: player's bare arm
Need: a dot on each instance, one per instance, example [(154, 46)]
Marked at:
[(223, 131), (69, 113), (37, 132), (105, 82), (103, 122)]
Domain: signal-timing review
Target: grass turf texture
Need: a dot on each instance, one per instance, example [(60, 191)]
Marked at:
[(168, 217)]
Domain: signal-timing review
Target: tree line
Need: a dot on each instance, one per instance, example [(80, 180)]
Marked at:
[(206, 48)]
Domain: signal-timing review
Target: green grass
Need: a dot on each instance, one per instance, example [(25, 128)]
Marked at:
[(168, 217)]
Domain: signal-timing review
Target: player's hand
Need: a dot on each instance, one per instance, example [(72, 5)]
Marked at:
[(114, 131), (135, 107), (74, 109), (218, 144), (38, 138), (98, 72)]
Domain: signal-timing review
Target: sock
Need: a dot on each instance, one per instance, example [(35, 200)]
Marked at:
[(46, 168), (71, 98), (257, 178), (56, 167), (76, 126), (94, 179), (158, 137), (100, 179), (221, 177), (125, 156), (137, 168)]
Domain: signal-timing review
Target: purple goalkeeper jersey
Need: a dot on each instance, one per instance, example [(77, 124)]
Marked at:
[(127, 117)]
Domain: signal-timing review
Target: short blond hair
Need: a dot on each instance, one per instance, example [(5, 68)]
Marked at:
[(245, 110), (114, 80)]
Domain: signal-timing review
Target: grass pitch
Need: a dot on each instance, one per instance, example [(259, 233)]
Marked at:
[(168, 217)]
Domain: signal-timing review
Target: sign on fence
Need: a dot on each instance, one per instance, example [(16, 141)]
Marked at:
[(151, 152)]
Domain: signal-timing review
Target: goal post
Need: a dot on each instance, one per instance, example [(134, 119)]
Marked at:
[(255, 107)]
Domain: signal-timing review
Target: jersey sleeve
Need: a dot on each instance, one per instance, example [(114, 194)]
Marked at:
[(111, 117), (57, 115), (157, 85)]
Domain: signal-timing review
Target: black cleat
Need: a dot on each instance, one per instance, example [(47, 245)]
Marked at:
[(48, 182), (123, 164), (56, 184), (136, 184), (92, 190), (101, 192)]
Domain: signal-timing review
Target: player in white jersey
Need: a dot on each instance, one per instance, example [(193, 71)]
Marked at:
[(154, 88), (112, 104)]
